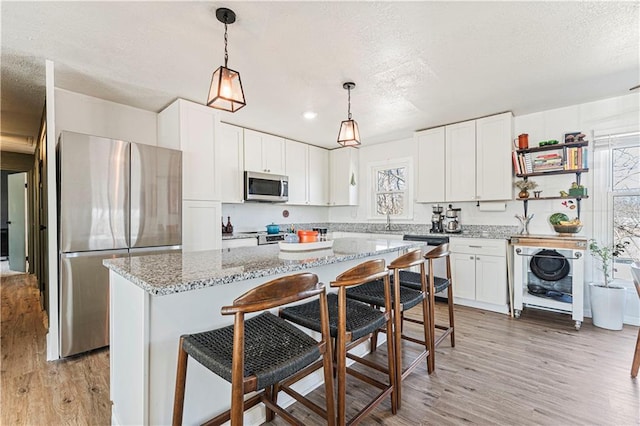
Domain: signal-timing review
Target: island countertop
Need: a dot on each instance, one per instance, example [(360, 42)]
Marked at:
[(171, 273)]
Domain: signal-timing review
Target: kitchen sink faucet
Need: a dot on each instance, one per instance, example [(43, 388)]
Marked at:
[(388, 227)]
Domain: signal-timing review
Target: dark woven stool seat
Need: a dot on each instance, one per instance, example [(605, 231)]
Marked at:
[(373, 294), (361, 318), (274, 349), (412, 280)]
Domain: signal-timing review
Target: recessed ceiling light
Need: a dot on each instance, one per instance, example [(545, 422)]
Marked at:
[(310, 115)]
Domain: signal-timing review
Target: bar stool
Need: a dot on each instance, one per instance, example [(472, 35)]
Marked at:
[(435, 285), (352, 323), (261, 352), (404, 298)]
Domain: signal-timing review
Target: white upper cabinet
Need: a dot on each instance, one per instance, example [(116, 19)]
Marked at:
[(264, 153), (460, 140), (343, 167), (297, 158), (431, 165), (307, 167), (318, 176), (231, 163), (494, 136), (478, 159), (192, 128)]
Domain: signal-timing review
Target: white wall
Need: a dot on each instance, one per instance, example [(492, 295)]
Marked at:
[(251, 216), (85, 114)]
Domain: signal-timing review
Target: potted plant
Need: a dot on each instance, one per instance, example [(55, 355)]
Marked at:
[(524, 186), (607, 299)]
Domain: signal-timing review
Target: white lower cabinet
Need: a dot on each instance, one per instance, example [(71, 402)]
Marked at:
[(479, 269), (201, 225)]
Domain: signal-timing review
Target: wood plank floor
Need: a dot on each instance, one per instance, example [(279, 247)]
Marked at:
[(536, 370)]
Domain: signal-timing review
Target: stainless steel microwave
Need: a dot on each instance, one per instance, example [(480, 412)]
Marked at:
[(265, 187)]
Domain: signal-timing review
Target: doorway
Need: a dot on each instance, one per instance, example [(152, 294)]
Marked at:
[(14, 223)]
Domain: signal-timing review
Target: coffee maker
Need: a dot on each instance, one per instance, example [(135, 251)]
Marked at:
[(436, 219), (453, 220)]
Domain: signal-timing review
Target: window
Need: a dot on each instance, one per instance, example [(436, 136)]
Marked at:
[(391, 190), (617, 183)]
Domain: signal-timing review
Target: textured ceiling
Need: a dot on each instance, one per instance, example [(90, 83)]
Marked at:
[(416, 64)]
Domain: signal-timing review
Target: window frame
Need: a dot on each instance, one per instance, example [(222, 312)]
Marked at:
[(374, 168), (604, 195)]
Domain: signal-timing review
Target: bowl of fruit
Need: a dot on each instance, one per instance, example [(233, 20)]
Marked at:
[(565, 226)]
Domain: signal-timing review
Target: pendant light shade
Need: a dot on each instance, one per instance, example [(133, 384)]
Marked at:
[(349, 134), (226, 92)]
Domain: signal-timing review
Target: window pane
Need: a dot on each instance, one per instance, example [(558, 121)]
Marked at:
[(391, 180), (392, 204), (626, 168), (626, 224)]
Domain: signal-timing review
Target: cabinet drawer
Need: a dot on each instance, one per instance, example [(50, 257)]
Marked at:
[(239, 242), (478, 246)]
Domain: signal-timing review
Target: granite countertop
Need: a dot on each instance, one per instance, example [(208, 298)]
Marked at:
[(165, 274)]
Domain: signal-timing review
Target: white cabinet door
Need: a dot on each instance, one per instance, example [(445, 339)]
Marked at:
[(273, 154), (201, 225), (463, 272), (253, 151), (431, 165), (460, 152), (231, 163), (343, 166), (264, 153), (491, 279), (494, 136), (296, 169), (318, 176), (192, 129)]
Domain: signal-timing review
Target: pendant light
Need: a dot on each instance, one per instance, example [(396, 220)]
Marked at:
[(349, 134), (226, 92)]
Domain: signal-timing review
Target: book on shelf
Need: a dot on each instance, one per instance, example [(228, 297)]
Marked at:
[(516, 163), (575, 158)]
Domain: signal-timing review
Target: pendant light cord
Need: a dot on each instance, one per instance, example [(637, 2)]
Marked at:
[(226, 53), (349, 103)]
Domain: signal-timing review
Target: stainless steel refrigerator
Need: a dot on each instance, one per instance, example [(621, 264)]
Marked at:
[(116, 199)]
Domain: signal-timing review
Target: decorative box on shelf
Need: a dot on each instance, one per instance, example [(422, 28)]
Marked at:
[(578, 192)]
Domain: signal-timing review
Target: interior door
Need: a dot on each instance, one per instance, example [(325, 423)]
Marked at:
[(16, 192)]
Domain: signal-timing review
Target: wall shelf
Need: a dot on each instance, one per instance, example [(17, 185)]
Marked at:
[(553, 172), (559, 197), (576, 172)]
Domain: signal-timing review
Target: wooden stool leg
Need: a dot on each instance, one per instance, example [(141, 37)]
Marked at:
[(636, 358), (271, 393), (451, 324), (391, 356), (181, 377), (450, 302), (432, 319), (397, 336)]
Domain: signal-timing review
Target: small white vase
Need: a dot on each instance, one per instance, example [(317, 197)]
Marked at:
[(607, 306)]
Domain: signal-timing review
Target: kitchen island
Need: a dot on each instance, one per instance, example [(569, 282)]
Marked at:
[(155, 299)]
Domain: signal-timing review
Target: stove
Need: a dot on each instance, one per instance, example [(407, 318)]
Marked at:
[(264, 238)]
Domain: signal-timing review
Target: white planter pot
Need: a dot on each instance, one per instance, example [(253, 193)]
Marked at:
[(607, 306)]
